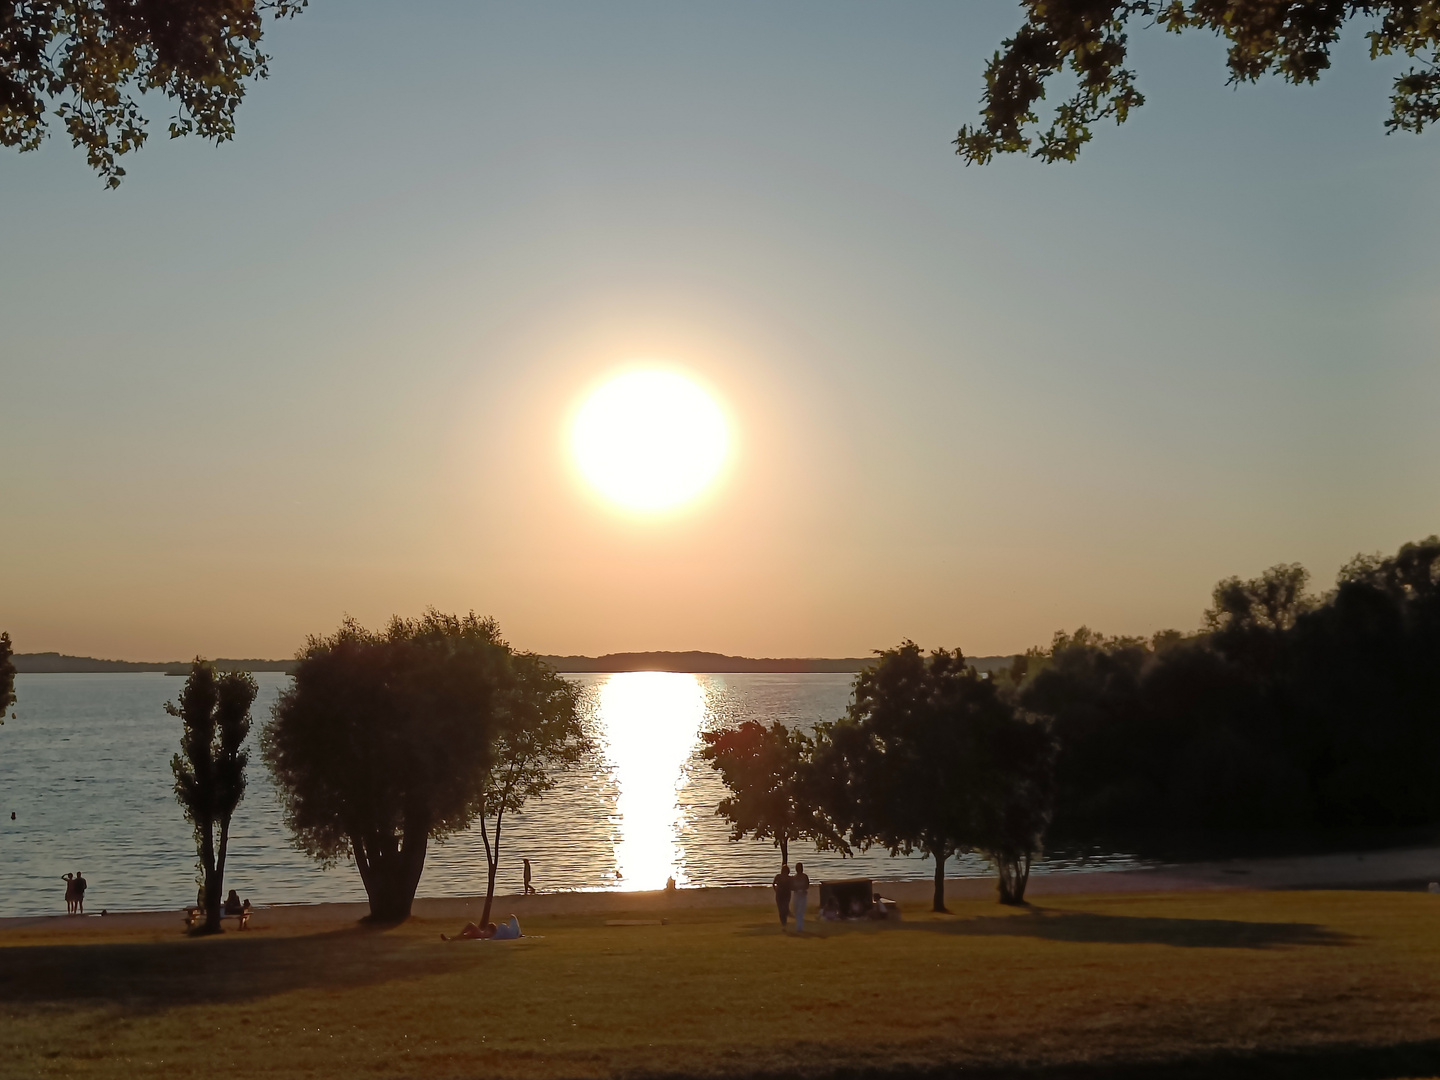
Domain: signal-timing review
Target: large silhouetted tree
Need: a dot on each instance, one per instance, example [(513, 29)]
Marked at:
[(91, 62), (389, 740), (931, 757), (766, 770), (209, 771), (1288, 38), (540, 735), (1287, 713)]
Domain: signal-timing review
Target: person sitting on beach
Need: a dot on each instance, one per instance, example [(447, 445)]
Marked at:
[(232, 903), (472, 932)]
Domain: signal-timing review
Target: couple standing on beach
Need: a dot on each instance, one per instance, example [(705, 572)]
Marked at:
[(75, 893), (792, 891)]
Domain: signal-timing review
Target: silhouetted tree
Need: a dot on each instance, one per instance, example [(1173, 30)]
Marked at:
[(7, 676), (930, 757), (91, 61), (540, 735), (1289, 38), (388, 740), (209, 771), (1288, 713), (1015, 794), (770, 796)]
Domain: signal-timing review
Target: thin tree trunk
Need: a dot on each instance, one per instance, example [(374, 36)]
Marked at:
[(939, 904), (212, 881), (216, 902), (492, 859)]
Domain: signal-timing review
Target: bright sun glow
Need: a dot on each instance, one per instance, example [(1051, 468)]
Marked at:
[(650, 440)]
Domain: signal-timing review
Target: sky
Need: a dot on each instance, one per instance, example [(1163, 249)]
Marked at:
[(327, 368)]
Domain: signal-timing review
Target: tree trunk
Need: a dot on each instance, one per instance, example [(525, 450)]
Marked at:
[(391, 872), (489, 891), (211, 879), (939, 882), (492, 861), (1014, 876)]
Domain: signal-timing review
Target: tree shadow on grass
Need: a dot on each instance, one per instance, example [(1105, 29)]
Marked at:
[(156, 975), (1083, 926), (1334, 1062)]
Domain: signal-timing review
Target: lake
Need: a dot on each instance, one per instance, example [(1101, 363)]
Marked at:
[(85, 769)]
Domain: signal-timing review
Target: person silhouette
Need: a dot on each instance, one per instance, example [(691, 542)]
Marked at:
[(800, 891), (528, 887), (69, 894), (80, 886), (781, 885)]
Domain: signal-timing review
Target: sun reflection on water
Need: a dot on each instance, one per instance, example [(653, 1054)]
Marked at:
[(649, 721)]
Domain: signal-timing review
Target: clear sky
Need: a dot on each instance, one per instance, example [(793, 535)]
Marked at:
[(327, 368)]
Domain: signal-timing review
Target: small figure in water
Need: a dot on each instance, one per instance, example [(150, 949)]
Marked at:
[(528, 887)]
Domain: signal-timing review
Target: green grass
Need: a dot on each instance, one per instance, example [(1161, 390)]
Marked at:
[(1170, 978)]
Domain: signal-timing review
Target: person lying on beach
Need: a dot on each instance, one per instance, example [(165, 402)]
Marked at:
[(472, 932), (506, 931)]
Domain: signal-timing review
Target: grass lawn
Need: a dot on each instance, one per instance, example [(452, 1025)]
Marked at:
[(1211, 983)]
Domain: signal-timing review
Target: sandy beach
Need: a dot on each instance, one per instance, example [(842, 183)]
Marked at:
[(1400, 868)]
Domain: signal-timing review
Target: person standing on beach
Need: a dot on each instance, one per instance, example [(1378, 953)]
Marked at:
[(69, 894), (782, 893), (528, 887), (800, 890), (80, 884)]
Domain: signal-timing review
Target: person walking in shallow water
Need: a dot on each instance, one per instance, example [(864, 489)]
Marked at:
[(782, 893), (528, 887), (800, 891)]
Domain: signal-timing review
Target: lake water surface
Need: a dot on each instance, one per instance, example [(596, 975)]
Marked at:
[(85, 768)]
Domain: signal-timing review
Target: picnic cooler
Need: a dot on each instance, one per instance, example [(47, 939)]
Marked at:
[(852, 898)]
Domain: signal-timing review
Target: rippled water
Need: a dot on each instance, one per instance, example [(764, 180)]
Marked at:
[(85, 769)]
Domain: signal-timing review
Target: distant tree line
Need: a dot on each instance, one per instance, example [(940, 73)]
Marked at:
[(1288, 711)]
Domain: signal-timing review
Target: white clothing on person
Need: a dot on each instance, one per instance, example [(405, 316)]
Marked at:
[(508, 931), (799, 898)]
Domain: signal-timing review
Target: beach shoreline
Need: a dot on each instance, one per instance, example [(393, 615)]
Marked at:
[(1401, 868)]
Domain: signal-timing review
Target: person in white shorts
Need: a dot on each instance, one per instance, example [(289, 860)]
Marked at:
[(799, 895)]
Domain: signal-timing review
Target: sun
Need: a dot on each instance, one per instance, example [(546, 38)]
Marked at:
[(650, 440)]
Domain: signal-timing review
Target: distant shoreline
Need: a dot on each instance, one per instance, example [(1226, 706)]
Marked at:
[(53, 663)]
